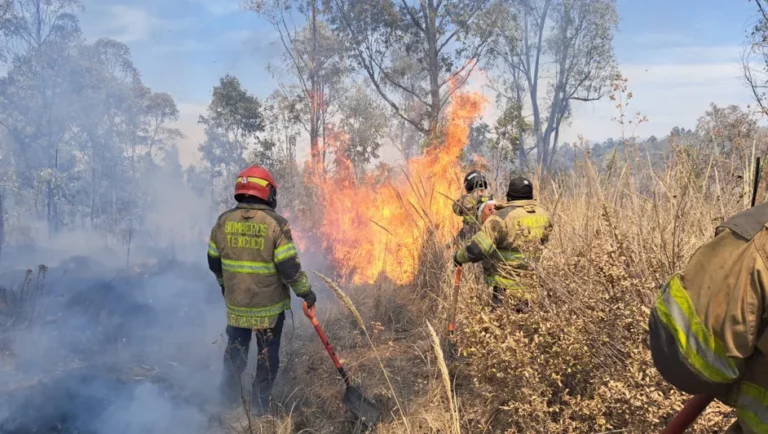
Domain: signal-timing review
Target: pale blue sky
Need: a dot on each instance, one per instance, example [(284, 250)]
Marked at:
[(678, 54)]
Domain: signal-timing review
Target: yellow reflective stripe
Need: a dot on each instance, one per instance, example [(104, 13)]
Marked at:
[(284, 252), (485, 243), (699, 347), (248, 267), (220, 280), (259, 311), (212, 250), (512, 256), (752, 407), (462, 255), (503, 282), (261, 182), (301, 286), (255, 317)]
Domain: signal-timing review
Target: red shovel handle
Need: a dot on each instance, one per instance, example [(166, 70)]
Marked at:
[(310, 313), (457, 278), (688, 414), (454, 302)]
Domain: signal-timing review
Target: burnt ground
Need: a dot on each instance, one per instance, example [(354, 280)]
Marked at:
[(87, 349), (96, 349)]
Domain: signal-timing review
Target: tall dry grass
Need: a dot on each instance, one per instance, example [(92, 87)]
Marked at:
[(578, 360)]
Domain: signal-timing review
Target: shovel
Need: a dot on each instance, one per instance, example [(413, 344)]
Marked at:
[(688, 414), (452, 319), (359, 405)]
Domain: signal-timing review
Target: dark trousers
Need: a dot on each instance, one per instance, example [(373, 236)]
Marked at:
[(236, 360), (496, 297)]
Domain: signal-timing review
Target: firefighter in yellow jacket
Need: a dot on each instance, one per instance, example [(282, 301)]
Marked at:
[(252, 255), (707, 327), (476, 188), (499, 244)]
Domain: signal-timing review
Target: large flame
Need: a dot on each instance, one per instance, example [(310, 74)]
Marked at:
[(373, 226)]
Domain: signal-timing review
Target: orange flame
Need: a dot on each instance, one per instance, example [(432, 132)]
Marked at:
[(379, 226)]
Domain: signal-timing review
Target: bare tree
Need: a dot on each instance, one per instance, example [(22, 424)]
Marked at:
[(30, 24), (6, 6), (756, 52), (564, 45), (2, 225), (5, 11), (314, 59), (442, 38)]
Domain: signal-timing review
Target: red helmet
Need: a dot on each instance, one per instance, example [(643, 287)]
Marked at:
[(258, 182)]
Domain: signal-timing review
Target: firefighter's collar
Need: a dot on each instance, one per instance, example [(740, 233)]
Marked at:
[(523, 202), (242, 205)]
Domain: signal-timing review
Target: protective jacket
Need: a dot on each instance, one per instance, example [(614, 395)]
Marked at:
[(252, 254), (466, 208), (499, 241), (707, 327)]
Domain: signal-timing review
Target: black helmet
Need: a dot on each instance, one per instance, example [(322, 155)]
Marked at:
[(475, 180), (520, 189)]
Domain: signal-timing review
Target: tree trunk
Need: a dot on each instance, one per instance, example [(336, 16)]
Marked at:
[(2, 226), (434, 69), (92, 217), (323, 123), (532, 76), (314, 118), (522, 157)]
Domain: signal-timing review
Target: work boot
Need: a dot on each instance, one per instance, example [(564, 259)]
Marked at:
[(260, 407), (229, 390), (496, 299)]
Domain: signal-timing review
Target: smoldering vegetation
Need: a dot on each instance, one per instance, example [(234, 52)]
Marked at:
[(120, 328), (89, 348)]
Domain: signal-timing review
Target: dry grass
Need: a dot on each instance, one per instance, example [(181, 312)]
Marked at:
[(446, 378), (578, 361), (353, 310), (19, 305)]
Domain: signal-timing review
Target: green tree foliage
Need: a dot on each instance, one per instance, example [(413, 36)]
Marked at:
[(495, 148), (422, 49), (232, 124), (363, 127), (509, 128), (479, 138), (232, 121), (77, 126), (315, 61)]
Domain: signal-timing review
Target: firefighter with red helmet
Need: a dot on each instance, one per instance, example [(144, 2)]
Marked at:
[(252, 254)]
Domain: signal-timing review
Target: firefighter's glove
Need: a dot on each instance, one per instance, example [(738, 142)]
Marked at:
[(222, 290), (456, 262), (310, 298)]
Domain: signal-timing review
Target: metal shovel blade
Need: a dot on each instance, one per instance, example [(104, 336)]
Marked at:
[(360, 406)]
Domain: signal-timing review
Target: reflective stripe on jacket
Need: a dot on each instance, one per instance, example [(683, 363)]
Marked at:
[(707, 326), (500, 241), (252, 254)]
